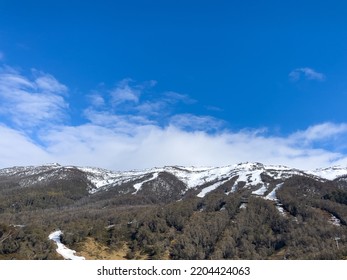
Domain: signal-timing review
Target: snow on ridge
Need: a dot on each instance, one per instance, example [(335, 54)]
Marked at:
[(202, 176), (62, 250), (329, 173), (99, 177), (139, 185), (191, 176), (249, 177), (250, 173), (27, 170)]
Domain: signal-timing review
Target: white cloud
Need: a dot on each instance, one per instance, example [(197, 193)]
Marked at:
[(96, 99), (120, 123), (2, 56), (47, 83), (124, 92), (307, 73), (17, 149), (152, 108), (320, 132), (150, 145), (136, 138), (31, 102)]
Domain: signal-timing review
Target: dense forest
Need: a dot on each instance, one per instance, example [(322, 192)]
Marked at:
[(308, 221)]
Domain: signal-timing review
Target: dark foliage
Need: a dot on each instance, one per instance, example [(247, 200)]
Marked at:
[(159, 223)]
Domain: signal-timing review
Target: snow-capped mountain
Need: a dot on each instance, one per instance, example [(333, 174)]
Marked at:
[(258, 178), (92, 205)]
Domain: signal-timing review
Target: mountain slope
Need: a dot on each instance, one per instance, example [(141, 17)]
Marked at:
[(56, 185), (248, 210), (206, 179)]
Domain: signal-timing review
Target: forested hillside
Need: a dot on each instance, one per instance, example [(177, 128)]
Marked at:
[(296, 217)]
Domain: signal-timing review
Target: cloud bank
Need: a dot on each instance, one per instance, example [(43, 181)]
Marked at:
[(124, 129)]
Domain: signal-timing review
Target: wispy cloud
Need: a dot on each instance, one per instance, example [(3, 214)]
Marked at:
[(122, 123), (136, 101), (306, 73), (29, 102), (46, 83), (174, 97), (124, 92), (320, 132), (192, 122), (162, 106), (96, 99), (214, 108), (2, 56)]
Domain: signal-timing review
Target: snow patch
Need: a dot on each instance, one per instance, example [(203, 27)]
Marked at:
[(334, 220), (261, 190), (139, 185), (62, 250), (272, 195), (209, 189), (243, 206), (281, 209)]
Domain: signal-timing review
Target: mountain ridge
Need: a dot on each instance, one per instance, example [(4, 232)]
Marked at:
[(242, 211), (191, 176)]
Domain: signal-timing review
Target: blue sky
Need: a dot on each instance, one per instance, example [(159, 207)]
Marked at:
[(136, 84)]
